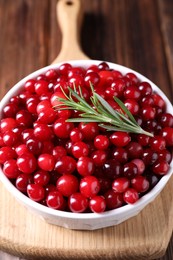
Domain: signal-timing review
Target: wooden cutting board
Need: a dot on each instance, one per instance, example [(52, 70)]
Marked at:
[(145, 236)]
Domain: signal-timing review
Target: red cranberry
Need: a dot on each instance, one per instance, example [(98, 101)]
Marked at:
[(77, 202), (67, 185), (89, 186), (130, 196), (113, 199), (97, 204)]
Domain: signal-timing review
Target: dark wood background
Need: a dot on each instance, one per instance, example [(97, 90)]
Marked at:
[(134, 33)]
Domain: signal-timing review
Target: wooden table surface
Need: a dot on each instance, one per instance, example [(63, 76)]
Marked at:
[(137, 34)]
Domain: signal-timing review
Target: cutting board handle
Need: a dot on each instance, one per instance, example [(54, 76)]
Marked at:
[(69, 16)]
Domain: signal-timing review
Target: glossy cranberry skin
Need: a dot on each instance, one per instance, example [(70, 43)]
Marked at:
[(27, 163), (166, 120), (130, 196), (64, 68), (41, 177), (140, 165), (157, 143), (99, 157), (80, 149), (160, 167), (89, 130), (42, 132), (6, 153), (149, 157), (91, 78), (101, 142), (10, 138), (35, 192), (46, 162), (21, 149), (147, 112), (134, 150), (132, 106), (112, 169), (85, 166), (30, 85), (67, 185), (89, 186), (22, 182), (120, 184), (7, 124), (140, 184), (58, 152), (145, 88), (10, 169), (76, 135), (167, 134), (55, 200), (158, 100), (41, 87), (132, 92), (130, 170), (120, 154), (113, 199), (120, 139), (62, 128), (24, 118), (10, 110), (77, 202), (34, 145), (51, 74), (165, 155), (65, 165), (97, 204)]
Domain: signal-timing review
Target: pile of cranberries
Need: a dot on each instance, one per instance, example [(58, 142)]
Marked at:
[(81, 167)]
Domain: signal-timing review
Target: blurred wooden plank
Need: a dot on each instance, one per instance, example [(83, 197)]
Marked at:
[(166, 14), (24, 34)]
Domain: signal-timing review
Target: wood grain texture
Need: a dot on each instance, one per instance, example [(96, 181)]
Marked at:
[(137, 34)]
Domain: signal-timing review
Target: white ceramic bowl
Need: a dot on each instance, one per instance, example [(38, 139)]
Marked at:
[(88, 221)]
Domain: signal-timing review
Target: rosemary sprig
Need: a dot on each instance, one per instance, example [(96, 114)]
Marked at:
[(101, 112)]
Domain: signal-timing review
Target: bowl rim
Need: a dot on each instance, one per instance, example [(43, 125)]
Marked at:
[(126, 209)]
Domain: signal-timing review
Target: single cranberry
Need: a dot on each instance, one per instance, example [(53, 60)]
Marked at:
[(7, 124), (76, 135), (22, 182), (145, 88), (149, 157), (132, 105), (91, 78), (41, 177), (10, 138), (30, 85), (43, 132), (160, 167), (158, 101), (97, 204), (147, 112), (55, 200), (46, 162), (41, 87), (103, 66), (143, 139), (153, 179), (165, 155), (106, 78), (120, 138), (58, 152), (27, 163), (47, 116), (7, 153), (67, 185), (10, 110), (147, 101), (51, 74), (35, 192), (157, 143), (120, 184), (130, 196), (21, 149), (120, 154), (118, 86), (34, 145), (130, 170), (113, 199), (101, 142), (89, 186), (140, 184), (85, 166), (65, 165), (80, 149), (99, 157), (24, 118), (112, 169), (62, 128), (132, 77), (132, 92), (64, 68), (166, 120), (167, 134), (10, 169), (77, 202), (89, 130)]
